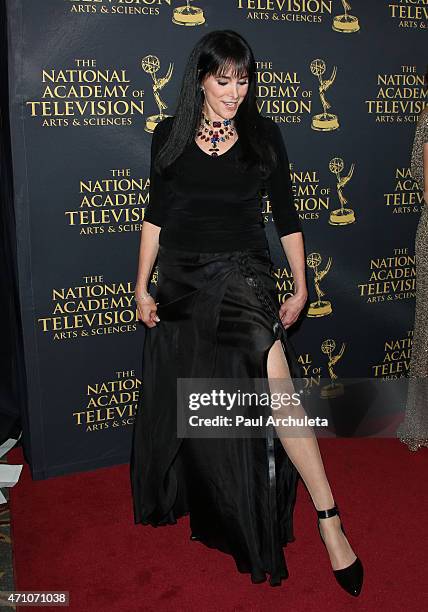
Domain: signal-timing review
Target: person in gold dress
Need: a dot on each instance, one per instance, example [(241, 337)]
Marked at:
[(413, 431)]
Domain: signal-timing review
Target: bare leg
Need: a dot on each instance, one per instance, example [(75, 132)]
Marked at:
[(305, 455)]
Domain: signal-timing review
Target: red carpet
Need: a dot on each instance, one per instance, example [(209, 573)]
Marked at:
[(76, 533)]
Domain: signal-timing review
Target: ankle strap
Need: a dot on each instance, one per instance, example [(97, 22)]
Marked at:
[(328, 513)]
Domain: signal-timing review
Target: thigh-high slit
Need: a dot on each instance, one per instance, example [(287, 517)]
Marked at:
[(219, 318)]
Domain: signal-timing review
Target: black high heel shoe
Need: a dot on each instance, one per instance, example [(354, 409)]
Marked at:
[(350, 578)]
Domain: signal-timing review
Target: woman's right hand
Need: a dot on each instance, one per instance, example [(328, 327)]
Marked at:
[(146, 311)]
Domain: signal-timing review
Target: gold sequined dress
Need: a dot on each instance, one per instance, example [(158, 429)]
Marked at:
[(413, 431)]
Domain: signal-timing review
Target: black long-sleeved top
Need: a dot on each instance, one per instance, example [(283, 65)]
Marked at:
[(208, 205)]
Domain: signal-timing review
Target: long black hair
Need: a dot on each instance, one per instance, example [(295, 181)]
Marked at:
[(214, 54)]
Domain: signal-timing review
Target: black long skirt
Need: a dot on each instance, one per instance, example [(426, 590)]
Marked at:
[(218, 318)]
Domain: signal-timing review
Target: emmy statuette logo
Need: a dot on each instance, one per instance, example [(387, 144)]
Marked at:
[(151, 65), (188, 15), (342, 215), (346, 24), (324, 122), (334, 389), (320, 308)]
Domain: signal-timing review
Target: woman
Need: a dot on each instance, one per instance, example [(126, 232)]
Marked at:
[(215, 315), (414, 429)]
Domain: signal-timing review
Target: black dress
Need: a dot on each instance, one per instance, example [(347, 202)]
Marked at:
[(218, 315)]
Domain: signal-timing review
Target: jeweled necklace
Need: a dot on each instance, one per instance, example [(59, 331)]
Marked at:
[(215, 131)]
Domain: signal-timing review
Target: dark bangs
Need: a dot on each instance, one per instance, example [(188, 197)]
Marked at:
[(218, 58)]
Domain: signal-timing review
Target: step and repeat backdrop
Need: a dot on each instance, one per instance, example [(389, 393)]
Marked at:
[(90, 79)]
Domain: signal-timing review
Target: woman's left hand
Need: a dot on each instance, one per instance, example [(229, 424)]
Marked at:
[(291, 308)]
